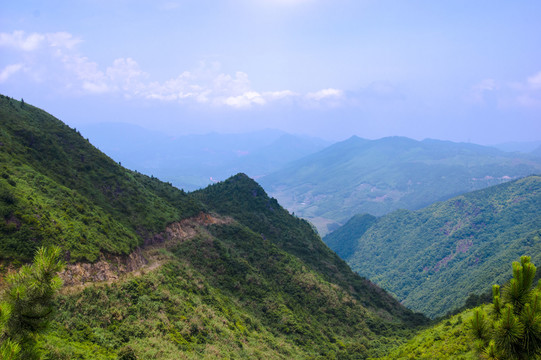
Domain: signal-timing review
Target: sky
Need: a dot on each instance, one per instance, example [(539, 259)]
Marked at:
[(458, 70)]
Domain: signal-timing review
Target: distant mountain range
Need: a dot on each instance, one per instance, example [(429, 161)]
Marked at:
[(432, 259), (192, 162), (378, 176)]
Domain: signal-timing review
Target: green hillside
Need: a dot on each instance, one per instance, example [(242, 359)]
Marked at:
[(378, 176), (461, 244), (56, 188), (448, 339), (244, 200), (155, 273)]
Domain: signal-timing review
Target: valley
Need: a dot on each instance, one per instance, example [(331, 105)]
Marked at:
[(358, 176)]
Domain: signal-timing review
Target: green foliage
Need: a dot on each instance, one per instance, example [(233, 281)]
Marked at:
[(359, 176), (56, 188), (243, 199), (448, 339), (192, 309), (461, 243), (343, 240), (514, 330), (241, 290), (26, 305)]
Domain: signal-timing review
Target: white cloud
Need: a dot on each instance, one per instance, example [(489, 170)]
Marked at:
[(245, 100), (478, 91), (19, 41), (87, 73), (9, 70), (278, 95), (528, 92), (325, 94), (31, 42), (95, 87), (62, 40), (125, 74), (54, 57), (534, 82), (525, 93)]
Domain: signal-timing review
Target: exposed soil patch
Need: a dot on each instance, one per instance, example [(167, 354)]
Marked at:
[(112, 267)]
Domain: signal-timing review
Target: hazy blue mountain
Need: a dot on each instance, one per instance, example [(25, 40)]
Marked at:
[(537, 151), (378, 176), (194, 161), (433, 258), (522, 146)]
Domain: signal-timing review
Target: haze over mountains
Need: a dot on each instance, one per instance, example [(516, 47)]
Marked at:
[(192, 162), (358, 176), (326, 184)]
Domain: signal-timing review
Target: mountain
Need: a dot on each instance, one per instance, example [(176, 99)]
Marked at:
[(432, 259), (522, 146), (379, 176), (56, 188), (191, 162), (154, 272), (536, 151)]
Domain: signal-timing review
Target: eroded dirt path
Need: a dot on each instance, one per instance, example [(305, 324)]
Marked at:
[(147, 258)]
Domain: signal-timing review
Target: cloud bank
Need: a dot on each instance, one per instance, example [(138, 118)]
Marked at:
[(55, 57)]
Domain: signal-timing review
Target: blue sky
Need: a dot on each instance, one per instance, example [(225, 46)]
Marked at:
[(456, 70)]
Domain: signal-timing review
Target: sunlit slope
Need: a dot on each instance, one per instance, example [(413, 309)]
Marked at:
[(226, 293), (244, 200), (55, 187), (461, 244), (379, 176), (449, 339)]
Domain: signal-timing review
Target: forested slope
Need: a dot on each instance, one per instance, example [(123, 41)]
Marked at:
[(55, 187), (154, 272), (433, 258), (359, 176)]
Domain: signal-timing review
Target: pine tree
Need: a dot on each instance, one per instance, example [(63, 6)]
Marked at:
[(513, 330), (26, 304)]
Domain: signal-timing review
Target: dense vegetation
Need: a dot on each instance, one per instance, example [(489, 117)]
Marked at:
[(448, 339), (513, 328), (506, 329), (26, 305), (56, 188), (223, 294), (378, 176), (236, 289), (462, 244), (244, 200), (260, 285)]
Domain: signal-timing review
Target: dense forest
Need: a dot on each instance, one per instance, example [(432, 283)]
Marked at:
[(462, 243)]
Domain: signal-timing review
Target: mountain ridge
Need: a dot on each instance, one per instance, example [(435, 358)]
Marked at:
[(379, 176)]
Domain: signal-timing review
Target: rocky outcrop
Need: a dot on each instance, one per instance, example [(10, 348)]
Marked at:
[(107, 269)]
